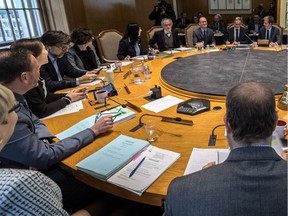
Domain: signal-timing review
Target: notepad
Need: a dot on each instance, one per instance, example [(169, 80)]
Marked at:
[(112, 157)]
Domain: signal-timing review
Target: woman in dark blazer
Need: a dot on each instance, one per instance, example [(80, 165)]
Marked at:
[(130, 44)]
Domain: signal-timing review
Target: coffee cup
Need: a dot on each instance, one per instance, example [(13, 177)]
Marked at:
[(101, 96), (281, 128)]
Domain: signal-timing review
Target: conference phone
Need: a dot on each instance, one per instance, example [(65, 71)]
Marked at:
[(193, 106)]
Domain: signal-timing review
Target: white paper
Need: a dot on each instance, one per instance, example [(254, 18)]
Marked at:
[(170, 51), (156, 162), (125, 63), (201, 156), (183, 48), (162, 103), (140, 57), (70, 108)]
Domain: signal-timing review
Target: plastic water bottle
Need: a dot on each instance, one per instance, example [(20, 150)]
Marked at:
[(110, 74)]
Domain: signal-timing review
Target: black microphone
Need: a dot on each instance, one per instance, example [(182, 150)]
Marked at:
[(249, 38), (122, 105), (176, 120), (212, 139)]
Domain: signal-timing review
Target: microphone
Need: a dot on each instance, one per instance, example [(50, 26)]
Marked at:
[(249, 38), (122, 105), (176, 120), (212, 139)]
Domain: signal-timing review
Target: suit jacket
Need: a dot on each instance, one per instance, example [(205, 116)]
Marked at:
[(251, 26), (26, 147), (241, 38), (125, 48), (220, 26), (179, 23), (44, 103), (48, 73), (251, 182), (274, 35), (198, 36), (159, 39), (75, 60)]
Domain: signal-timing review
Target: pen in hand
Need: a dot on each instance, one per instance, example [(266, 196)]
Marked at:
[(135, 169)]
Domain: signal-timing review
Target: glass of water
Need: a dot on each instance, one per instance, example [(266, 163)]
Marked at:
[(151, 130)]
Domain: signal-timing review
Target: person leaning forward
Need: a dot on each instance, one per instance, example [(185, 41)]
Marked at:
[(252, 181)]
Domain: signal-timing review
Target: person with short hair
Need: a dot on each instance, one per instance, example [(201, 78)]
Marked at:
[(237, 34), (203, 33), (218, 25), (162, 10), (253, 179), (255, 25), (270, 32), (82, 55), (31, 145), (58, 72), (165, 39), (40, 100), (130, 45), (182, 22)]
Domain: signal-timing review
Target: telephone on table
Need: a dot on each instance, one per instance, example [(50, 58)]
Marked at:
[(193, 106)]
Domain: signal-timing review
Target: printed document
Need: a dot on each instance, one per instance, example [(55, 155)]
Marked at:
[(162, 103), (156, 161)]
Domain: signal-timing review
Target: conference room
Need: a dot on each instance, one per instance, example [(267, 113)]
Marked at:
[(181, 93)]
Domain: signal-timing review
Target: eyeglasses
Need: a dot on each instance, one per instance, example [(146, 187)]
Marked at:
[(114, 114), (63, 47), (15, 108)]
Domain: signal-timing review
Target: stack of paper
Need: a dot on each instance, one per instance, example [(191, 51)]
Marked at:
[(112, 157), (120, 115), (156, 161)]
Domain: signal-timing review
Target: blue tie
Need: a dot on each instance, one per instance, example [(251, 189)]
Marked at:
[(204, 38)]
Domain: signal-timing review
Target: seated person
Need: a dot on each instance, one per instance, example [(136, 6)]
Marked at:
[(218, 26), (162, 10), (82, 55), (255, 25), (195, 19), (182, 22), (31, 145), (253, 179), (59, 73), (270, 32), (39, 192), (203, 34), (40, 100), (130, 44), (237, 34), (165, 39)]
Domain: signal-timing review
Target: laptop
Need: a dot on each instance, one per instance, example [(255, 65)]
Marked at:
[(263, 42)]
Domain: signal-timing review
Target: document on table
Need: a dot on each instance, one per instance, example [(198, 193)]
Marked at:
[(156, 161), (170, 51), (70, 108), (201, 156), (162, 103), (95, 82), (183, 48)]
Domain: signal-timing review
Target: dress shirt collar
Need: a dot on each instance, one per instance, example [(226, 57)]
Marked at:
[(52, 59)]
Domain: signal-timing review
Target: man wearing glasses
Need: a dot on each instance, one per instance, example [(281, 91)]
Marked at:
[(166, 39), (59, 73)]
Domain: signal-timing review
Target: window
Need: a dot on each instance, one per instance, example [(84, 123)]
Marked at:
[(19, 19)]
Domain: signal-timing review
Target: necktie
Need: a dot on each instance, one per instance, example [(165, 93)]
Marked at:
[(57, 70), (204, 38), (237, 35), (267, 34)]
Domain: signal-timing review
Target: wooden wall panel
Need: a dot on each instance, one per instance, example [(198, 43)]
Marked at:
[(76, 13)]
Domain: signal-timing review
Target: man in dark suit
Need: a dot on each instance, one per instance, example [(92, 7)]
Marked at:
[(165, 39), (270, 32), (252, 181), (58, 73), (203, 34), (218, 26), (237, 34), (182, 22), (255, 25)]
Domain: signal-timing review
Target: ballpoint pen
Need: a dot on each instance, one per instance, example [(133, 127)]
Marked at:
[(135, 169)]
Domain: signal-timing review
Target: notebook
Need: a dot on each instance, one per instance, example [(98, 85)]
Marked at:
[(112, 157)]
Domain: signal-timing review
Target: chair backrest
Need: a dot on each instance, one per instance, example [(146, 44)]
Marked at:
[(152, 30), (280, 29), (189, 34), (108, 43), (232, 26)]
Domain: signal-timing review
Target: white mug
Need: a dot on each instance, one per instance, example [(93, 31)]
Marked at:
[(281, 128), (101, 96)]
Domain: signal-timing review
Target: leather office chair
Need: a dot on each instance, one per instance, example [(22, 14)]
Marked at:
[(232, 26), (280, 29), (152, 30), (108, 43), (189, 34)]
